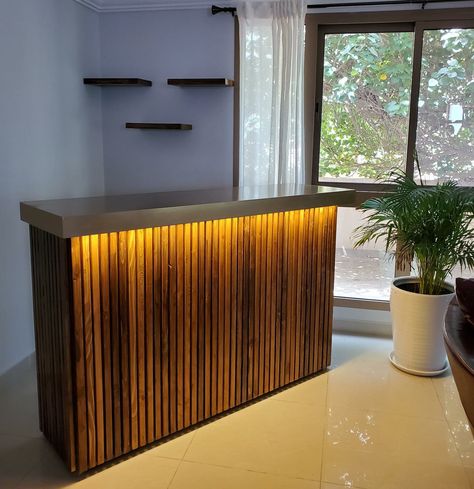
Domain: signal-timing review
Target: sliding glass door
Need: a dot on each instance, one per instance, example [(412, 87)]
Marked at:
[(383, 92)]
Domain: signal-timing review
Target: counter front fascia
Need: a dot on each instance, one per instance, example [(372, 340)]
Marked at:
[(67, 218), (154, 313)]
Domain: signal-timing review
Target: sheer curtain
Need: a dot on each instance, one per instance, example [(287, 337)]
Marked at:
[(271, 92)]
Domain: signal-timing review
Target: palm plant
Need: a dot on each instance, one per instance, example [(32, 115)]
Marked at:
[(430, 225)]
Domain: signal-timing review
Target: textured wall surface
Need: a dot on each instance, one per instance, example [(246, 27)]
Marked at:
[(50, 142), (157, 46)]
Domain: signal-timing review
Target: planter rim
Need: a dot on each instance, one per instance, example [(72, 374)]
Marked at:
[(396, 282)]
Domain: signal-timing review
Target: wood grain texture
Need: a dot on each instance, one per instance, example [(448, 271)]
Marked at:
[(58, 374), (161, 328)]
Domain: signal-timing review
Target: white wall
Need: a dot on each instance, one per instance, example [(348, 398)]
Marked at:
[(50, 138), (160, 45)]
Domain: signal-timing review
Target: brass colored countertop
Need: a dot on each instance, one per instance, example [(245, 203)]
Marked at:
[(93, 215)]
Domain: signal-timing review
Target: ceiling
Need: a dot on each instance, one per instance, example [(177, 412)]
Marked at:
[(143, 5)]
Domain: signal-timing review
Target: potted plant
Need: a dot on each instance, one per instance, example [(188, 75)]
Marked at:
[(431, 230)]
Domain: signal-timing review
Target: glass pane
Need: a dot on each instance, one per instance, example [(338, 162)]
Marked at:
[(366, 103), (446, 106), (362, 273)]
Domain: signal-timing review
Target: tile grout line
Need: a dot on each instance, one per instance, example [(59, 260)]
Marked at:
[(189, 445), (174, 474), (181, 460), (253, 471)]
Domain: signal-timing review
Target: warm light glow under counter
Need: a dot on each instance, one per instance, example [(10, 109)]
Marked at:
[(150, 320)]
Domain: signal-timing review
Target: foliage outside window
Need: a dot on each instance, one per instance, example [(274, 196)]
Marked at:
[(366, 105)]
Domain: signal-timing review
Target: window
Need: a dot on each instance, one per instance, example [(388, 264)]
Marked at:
[(446, 106), (384, 86), (365, 105)]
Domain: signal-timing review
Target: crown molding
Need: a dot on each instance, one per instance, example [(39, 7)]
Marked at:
[(106, 6)]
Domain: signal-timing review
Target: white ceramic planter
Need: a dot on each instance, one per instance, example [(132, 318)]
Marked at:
[(417, 323)]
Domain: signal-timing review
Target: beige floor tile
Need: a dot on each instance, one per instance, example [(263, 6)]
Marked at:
[(386, 430), (175, 448), (375, 470), (18, 401), (381, 450), (140, 472), (454, 412), (408, 436), (17, 457), (312, 391), (328, 485), (470, 475), (200, 476), (274, 437), (371, 382)]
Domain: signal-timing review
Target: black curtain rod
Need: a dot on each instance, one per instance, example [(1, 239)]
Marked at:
[(231, 10)]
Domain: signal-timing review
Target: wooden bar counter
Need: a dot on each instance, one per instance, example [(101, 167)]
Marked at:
[(155, 312)]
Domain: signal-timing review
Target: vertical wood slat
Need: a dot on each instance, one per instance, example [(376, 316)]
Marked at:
[(52, 279), (176, 324)]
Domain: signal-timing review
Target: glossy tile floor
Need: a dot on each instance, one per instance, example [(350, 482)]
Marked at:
[(363, 424)]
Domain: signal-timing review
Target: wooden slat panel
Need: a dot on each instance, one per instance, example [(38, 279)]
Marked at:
[(331, 271), (245, 307), (262, 318), (115, 341), (165, 336), (233, 293), (79, 367), (309, 286), (124, 340), (173, 325), (98, 342), (239, 309), (180, 333), (221, 313), (269, 358), (173, 329), (257, 306), (201, 324), (227, 311), (104, 288), (152, 336), (89, 351), (141, 358), (251, 307), (208, 318), (195, 325), (215, 374), (132, 339), (187, 326)]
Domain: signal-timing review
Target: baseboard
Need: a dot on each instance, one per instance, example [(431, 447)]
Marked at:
[(363, 328)]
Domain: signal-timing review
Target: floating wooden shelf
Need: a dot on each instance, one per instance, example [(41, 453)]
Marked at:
[(201, 82), (158, 125), (118, 82)]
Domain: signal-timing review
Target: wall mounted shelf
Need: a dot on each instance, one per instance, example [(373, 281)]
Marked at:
[(201, 82), (159, 126), (118, 82)]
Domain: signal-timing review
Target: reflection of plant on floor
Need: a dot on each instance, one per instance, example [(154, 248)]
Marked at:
[(432, 225), (367, 82)]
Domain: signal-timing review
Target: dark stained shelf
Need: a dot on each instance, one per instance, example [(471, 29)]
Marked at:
[(118, 82), (158, 125), (201, 82)]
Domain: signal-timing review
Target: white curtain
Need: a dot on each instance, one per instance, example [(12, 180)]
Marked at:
[(271, 92)]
